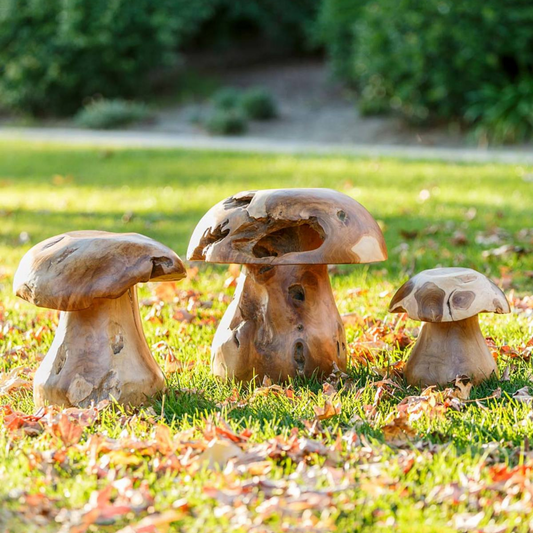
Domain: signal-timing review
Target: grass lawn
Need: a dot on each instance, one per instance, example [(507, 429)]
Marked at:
[(435, 462)]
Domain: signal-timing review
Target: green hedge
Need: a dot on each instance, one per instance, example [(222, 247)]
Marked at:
[(335, 31), (56, 53), (284, 23), (432, 58)]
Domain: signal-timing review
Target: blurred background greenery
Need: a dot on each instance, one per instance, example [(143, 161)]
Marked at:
[(431, 62)]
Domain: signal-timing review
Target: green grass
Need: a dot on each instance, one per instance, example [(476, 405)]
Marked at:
[(48, 189)]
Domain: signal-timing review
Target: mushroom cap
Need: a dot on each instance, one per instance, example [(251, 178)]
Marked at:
[(288, 227), (448, 295), (69, 271)]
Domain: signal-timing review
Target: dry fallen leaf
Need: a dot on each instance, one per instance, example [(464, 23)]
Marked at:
[(154, 523), (522, 395), (463, 387), (219, 452), (506, 374), (182, 315), (329, 410), (11, 381), (68, 431), (468, 521), (398, 430)]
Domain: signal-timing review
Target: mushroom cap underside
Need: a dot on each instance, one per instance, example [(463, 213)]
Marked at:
[(288, 227), (448, 295), (69, 271)]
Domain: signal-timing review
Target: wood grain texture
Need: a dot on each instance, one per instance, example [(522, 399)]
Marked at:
[(99, 350), (288, 227), (71, 271), (448, 295), (282, 323), (99, 353), (446, 350)]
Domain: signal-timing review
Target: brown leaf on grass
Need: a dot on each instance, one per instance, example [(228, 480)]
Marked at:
[(506, 376), (163, 439), (12, 381), (219, 452), (155, 523), (328, 389), (398, 430), (329, 410), (522, 395), (394, 370), (468, 521), (175, 365), (37, 506), (496, 393), (462, 387), (19, 424), (459, 238), (268, 388), (109, 504), (66, 430), (182, 315)]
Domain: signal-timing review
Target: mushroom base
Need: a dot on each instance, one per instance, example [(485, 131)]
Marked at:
[(99, 353), (446, 350), (282, 323)]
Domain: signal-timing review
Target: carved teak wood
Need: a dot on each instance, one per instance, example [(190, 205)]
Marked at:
[(450, 343), (283, 321), (99, 350)]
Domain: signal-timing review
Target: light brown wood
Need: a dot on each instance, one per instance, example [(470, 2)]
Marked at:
[(446, 350), (450, 342), (447, 295), (285, 237), (99, 351), (288, 227), (282, 323), (69, 272)]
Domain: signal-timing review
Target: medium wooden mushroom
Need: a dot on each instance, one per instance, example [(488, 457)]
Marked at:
[(283, 321), (450, 343), (99, 350)]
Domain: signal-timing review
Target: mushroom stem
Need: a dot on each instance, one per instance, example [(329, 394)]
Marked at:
[(445, 350), (282, 323), (99, 353)]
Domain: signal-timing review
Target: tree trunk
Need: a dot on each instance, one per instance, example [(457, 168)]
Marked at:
[(99, 353), (445, 350), (282, 322)]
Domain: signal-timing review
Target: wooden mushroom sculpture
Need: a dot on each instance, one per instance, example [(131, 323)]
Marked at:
[(283, 321), (99, 350), (450, 343)]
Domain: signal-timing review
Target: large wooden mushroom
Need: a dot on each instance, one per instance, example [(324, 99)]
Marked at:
[(99, 350), (283, 321), (450, 343)]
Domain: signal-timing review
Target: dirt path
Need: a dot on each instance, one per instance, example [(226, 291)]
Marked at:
[(312, 109), (316, 116), (143, 139)]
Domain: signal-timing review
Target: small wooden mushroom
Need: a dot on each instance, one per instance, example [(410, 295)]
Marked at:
[(450, 343), (99, 350), (283, 321)]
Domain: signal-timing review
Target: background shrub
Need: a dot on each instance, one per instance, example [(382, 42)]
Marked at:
[(283, 24), (56, 53), (108, 114), (258, 104), (226, 122), (429, 59), (226, 98), (334, 29), (503, 115)]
